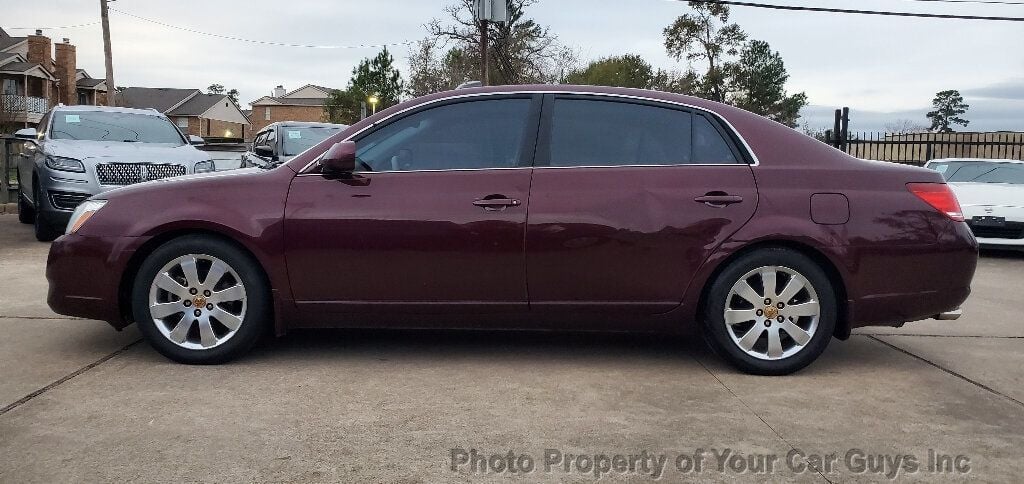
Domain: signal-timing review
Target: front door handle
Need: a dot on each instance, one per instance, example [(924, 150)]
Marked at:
[(497, 203), (718, 199)]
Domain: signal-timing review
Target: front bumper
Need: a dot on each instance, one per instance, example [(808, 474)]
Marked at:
[(85, 275)]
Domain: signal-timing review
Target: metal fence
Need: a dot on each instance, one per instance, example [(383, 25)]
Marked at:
[(16, 103), (919, 148)]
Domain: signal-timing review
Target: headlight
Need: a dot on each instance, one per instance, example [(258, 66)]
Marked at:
[(205, 167), (64, 164), (82, 213)]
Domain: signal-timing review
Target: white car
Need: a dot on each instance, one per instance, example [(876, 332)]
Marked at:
[(991, 194)]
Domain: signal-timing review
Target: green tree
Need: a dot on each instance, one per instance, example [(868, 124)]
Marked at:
[(948, 107), (378, 76), (375, 76), (520, 51), (676, 82), (705, 35), (622, 71), (343, 106), (219, 89), (757, 83), (633, 71)]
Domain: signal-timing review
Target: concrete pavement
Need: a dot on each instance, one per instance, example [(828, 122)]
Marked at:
[(81, 402)]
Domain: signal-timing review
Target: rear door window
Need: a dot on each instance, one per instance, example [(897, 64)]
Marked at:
[(591, 132)]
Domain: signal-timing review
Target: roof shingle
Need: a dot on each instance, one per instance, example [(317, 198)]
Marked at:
[(159, 98), (197, 105)]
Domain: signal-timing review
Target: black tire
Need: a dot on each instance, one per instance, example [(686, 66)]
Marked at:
[(254, 322), (26, 213), (721, 336), (44, 227)]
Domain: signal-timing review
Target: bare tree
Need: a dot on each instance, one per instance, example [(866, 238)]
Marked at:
[(521, 50), (432, 69), (905, 126)]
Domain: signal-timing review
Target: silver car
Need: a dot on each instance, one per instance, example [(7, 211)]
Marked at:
[(80, 151)]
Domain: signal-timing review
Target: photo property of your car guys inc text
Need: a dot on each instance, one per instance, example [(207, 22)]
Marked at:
[(532, 240)]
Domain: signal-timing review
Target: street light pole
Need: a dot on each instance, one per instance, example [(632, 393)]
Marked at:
[(373, 104), (108, 58)]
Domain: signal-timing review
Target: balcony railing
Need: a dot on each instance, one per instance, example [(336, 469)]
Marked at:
[(16, 104)]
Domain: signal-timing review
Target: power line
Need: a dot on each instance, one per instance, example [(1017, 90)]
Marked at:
[(254, 41), (54, 28), (860, 12)]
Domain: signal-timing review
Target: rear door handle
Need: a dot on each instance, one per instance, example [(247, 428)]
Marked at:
[(497, 203), (718, 199)]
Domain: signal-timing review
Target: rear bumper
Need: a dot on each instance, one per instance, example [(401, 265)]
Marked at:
[(892, 285), (950, 315), (84, 275), (896, 309)]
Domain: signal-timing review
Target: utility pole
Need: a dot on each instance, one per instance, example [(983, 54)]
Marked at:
[(105, 18), (483, 52), (488, 11)]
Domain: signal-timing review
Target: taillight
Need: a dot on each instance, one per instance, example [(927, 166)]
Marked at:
[(940, 197)]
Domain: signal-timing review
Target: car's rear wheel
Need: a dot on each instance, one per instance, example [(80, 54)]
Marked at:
[(201, 300), (44, 227), (26, 213), (770, 312)]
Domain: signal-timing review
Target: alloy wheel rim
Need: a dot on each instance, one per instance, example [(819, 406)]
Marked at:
[(197, 301), (772, 312)]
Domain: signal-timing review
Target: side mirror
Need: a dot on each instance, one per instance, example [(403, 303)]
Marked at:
[(264, 151), (196, 140), (27, 133), (340, 158)]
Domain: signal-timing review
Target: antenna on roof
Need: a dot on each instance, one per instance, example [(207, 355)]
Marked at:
[(469, 84)]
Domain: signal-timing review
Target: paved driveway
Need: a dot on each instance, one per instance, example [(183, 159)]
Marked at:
[(81, 402)]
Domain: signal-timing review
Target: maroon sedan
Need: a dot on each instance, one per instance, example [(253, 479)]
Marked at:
[(537, 207)]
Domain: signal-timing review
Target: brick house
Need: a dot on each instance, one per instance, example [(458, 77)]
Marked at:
[(36, 74), (303, 104), (206, 115), (90, 91)]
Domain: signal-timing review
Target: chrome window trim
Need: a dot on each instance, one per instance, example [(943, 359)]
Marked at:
[(720, 118), (611, 167)]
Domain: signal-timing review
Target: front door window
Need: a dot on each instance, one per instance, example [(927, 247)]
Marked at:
[(466, 135)]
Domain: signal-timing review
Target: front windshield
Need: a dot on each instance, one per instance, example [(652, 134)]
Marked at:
[(110, 126), (980, 171), (298, 139)]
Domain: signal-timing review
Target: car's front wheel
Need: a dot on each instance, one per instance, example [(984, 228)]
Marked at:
[(201, 300), (770, 312), (26, 213), (45, 229)]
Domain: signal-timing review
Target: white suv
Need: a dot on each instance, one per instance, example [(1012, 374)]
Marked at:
[(79, 151)]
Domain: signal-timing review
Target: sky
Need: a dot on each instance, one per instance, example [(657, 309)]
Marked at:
[(883, 68)]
